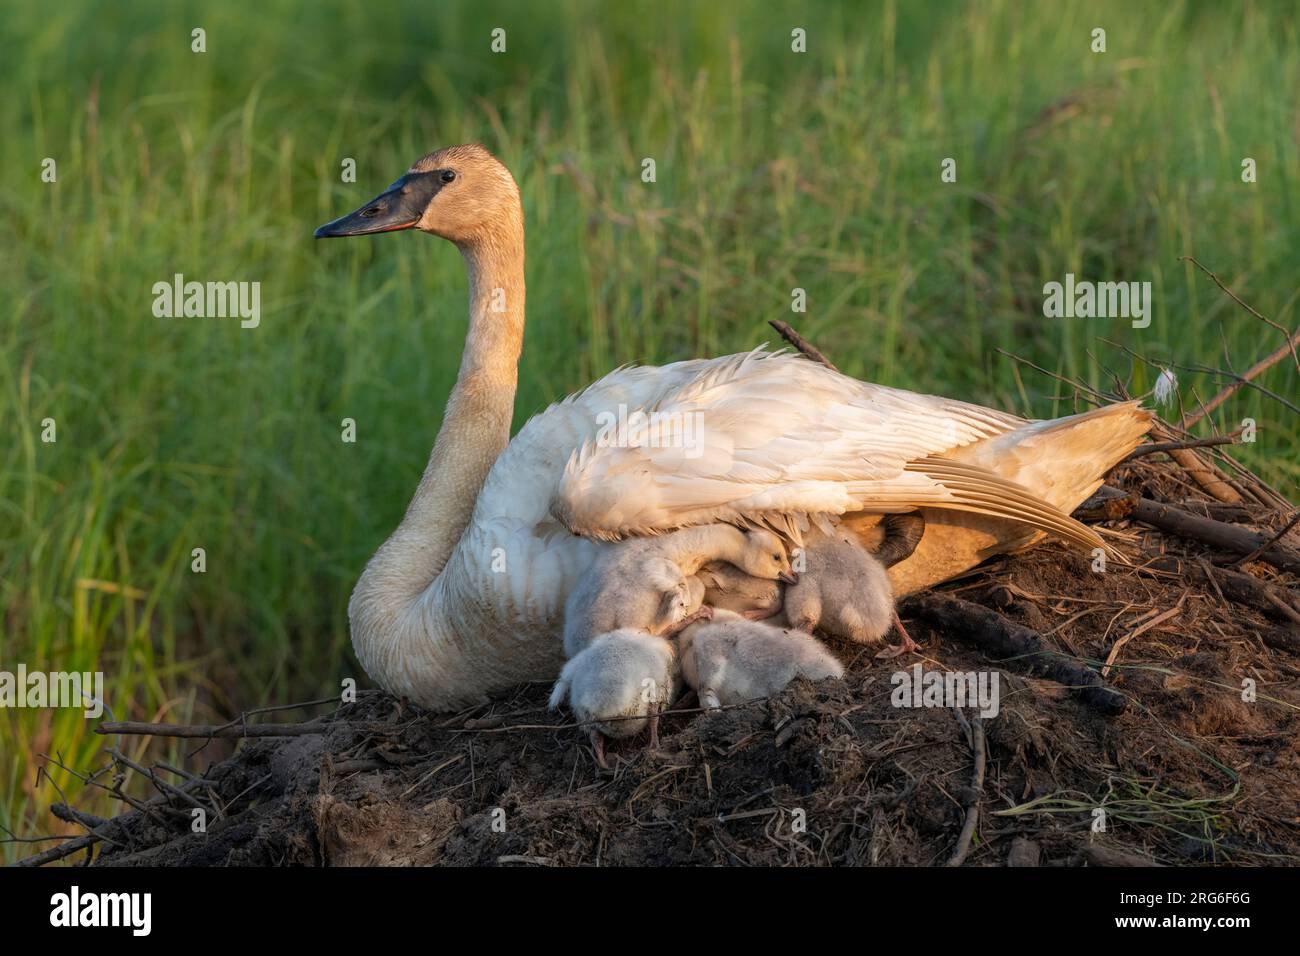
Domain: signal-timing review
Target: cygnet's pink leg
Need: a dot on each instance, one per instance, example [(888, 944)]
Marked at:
[(598, 745), (705, 613), (907, 645), (759, 614)]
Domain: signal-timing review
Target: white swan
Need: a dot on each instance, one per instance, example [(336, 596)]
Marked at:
[(466, 597)]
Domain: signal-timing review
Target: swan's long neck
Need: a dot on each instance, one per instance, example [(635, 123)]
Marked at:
[(475, 430)]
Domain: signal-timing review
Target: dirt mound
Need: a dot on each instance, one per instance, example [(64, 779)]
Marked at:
[(1193, 770)]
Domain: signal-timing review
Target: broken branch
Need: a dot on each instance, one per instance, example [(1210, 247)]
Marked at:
[(802, 344), (980, 752), (1006, 640)]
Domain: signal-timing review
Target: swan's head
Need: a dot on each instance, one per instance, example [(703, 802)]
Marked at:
[(461, 193), (764, 557)]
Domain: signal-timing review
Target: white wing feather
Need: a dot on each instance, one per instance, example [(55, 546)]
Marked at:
[(761, 437)]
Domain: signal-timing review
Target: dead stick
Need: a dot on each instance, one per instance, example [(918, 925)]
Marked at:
[(1246, 559), (163, 786), (1112, 504), (95, 826), (1138, 631), (802, 344), (117, 825), (130, 727), (1242, 380), (1215, 533), (70, 814), (977, 790), (1095, 855), (1004, 639), (1236, 586), (274, 708), (1205, 474), (1291, 339), (1154, 447), (59, 852), (1282, 606)]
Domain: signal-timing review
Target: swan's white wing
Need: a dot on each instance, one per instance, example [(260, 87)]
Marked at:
[(763, 437)]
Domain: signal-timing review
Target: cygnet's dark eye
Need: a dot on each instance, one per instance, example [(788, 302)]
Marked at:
[(448, 175)]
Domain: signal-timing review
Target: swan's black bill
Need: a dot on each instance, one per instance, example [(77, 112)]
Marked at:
[(399, 207)]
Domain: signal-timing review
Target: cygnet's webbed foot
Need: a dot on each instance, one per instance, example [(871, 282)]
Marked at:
[(906, 647), (761, 614), (703, 613)]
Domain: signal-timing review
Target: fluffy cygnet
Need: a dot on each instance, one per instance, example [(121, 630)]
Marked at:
[(844, 590), (636, 591), (728, 588), (730, 659), (757, 552), (642, 583), (618, 685)]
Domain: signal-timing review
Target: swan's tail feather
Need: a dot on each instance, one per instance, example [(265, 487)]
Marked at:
[(977, 489), (1034, 474), (1063, 460)]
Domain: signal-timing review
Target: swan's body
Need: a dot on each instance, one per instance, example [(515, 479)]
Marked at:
[(466, 597), (729, 660)]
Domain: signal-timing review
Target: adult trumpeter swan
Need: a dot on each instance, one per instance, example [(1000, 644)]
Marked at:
[(466, 597)]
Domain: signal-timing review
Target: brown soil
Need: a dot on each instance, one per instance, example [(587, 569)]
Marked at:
[(830, 773)]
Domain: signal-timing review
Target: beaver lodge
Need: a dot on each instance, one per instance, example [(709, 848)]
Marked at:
[(1147, 714)]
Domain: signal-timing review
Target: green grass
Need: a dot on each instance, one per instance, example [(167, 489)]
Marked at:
[(775, 170)]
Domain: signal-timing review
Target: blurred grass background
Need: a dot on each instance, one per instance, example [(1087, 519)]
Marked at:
[(775, 170)]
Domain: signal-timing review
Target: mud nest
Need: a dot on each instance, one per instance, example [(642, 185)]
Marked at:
[(1185, 767)]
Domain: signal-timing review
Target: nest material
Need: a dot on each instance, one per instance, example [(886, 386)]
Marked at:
[(1191, 770)]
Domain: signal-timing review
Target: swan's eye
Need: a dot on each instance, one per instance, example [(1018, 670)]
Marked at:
[(448, 175)]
